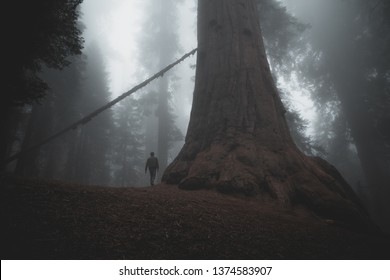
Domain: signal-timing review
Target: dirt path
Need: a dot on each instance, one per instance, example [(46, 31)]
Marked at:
[(54, 220)]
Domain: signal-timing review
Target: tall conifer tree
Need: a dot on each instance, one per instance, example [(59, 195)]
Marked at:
[(238, 139)]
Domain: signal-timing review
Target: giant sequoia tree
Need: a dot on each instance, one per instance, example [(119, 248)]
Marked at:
[(237, 139)]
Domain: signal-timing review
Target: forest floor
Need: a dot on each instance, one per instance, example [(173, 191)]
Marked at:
[(56, 220)]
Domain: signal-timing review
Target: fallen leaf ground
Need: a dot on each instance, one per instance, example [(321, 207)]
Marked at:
[(55, 220)]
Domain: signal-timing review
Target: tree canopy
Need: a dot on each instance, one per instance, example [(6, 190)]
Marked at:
[(42, 32)]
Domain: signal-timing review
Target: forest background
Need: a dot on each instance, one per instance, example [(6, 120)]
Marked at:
[(330, 60)]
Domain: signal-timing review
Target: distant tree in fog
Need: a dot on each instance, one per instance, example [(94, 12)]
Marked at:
[(91, 162), (59, 108), (285, 44), (81, 155), (159, 45), (128, 144), (40, 33), (348, 61)]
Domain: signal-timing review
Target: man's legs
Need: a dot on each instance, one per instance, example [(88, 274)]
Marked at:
[(152, 175)]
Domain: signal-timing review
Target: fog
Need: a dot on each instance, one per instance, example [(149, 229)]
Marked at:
[(330, 60), (117, 27)]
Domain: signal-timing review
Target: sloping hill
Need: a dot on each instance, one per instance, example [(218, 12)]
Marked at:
[(55, 220)]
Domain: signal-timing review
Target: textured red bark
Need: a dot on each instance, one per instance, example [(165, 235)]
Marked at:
[(238, 139)]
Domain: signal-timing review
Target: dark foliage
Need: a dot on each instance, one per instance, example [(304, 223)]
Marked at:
[(128, 153), (282, 35), (285, 45), (43, 32)]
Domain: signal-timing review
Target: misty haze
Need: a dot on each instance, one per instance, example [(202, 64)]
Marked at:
[(269, 120)]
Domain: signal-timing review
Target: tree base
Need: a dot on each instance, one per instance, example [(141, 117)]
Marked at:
[(283, 175)]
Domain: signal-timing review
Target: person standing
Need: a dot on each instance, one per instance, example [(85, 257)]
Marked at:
[(152, 164)]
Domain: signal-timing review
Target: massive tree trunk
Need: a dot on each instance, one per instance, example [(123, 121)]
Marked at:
[(369, 142), (237, 139)]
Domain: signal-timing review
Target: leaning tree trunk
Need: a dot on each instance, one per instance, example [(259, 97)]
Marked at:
[(237, 139)]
